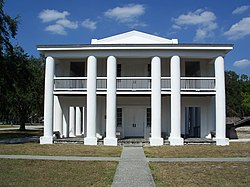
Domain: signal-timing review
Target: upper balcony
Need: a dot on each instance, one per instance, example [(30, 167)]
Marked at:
[(135, 84)]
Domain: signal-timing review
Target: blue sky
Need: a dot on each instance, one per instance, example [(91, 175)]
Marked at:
[(190, 21)]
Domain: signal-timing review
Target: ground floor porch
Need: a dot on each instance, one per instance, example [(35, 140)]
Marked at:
[(134, 119)]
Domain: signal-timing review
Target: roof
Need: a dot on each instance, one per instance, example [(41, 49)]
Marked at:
[(135, 40), (134, 37)]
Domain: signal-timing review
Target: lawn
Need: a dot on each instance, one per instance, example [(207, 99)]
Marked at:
[(60, 150), (56, 173), (233, 150), (201, 174), (7, 134)]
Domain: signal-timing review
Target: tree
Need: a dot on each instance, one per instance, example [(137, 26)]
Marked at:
[(8, 29), (25, 97), (233, 94)]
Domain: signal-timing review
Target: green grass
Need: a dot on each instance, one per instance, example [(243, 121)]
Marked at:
[(56, 173), (60, 150), (8, 134), (201, 174), (233, 150)]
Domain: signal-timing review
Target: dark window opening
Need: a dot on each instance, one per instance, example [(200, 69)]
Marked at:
[(192, 69), (148, 117), (77, 69), (119, 117)]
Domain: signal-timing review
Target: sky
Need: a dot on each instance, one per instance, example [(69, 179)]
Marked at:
[(190, 21)]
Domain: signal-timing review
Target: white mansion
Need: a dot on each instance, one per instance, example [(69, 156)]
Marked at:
[(135, 85)]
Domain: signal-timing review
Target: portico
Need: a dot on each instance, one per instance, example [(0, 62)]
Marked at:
[(134, 88)]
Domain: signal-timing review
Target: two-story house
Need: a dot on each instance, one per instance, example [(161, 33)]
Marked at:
[(137, 85)]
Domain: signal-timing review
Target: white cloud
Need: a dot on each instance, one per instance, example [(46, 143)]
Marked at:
[(67, 23), (56, 29), (204, 20), (242, 63), (89, 24), (52, 15), (239, 30), (127, 14), (241, 9)]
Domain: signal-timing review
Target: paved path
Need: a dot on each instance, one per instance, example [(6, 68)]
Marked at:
[(233, 159), (67, 158), (133, 169)]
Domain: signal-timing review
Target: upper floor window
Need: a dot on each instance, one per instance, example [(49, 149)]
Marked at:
[(77, 69), (192, 69), (149, 70), (119, 70)]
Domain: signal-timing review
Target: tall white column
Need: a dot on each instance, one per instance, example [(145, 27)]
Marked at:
[(175, 135), (65, 121), (90, 138), (58, 116), (110, 138), (78, 122), (47, 138), (220, 102), (156, 138), (72, 132)]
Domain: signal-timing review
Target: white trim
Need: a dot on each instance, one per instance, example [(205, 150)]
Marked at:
[(134, 48)]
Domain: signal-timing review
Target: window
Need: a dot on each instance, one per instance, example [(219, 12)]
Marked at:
[(77, 69), (119, 117), (148, 117), (119, 70), (149, 70), (192, 69)]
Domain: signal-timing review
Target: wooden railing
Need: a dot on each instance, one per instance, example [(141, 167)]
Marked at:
[(197, 83), (134, 83)]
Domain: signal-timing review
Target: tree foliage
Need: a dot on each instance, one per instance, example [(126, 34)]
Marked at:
[(21, 77), (237, 94)]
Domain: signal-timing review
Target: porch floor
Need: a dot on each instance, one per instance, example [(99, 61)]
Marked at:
[(133, 141)]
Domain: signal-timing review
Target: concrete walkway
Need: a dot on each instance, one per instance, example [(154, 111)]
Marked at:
[(232, 159), (66, 158), (133, 169)]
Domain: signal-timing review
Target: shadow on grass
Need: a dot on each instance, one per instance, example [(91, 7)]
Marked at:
[(9, 134)]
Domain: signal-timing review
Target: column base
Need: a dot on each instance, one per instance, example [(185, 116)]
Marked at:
[(222, 141), (110, 141), (46, 140), (90, 141), (72, 135), (156, 141), (176, 141)]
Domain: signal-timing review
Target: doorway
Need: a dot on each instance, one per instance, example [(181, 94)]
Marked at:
[(134, 121), (192, 122)]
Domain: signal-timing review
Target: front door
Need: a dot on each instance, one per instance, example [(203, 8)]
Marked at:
[(134, 118)]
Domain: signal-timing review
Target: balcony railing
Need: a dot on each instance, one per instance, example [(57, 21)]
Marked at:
[(134, 83), (70, 83), (197, 83), (166, 83)]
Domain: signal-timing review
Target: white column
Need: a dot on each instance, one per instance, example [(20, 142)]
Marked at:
[(156, 138), (175, 135), (47, 138), (58, 116), (110, 138), (78, 122), (72, 132), (65, 121), (91, 102), (220, 102)]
